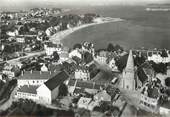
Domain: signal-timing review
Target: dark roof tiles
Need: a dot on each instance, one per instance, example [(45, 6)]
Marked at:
[(56, 80), (28, 89)]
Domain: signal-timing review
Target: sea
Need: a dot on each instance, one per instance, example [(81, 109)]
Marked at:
[(140, 28)]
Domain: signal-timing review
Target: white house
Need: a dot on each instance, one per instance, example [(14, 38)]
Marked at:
[(50, 31), (13, 34), (76, 53), (149, 98), (51, 48), (102, 96), (11, 71), (1, 76), (44, 68), (48, 91), (64, 56), (27, 92), (112, 65), (165, 109), (82, 73), (35, 78), (20, 39), (157, 58), (101, 57), (84, 102), (149, 103)]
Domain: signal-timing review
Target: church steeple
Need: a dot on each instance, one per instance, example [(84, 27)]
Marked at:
[(130, 62), (128, 80)]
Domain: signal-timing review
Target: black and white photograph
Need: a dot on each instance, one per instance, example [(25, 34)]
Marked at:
[(84, 58)]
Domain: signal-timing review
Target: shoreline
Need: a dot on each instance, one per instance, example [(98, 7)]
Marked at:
[(57, 37)]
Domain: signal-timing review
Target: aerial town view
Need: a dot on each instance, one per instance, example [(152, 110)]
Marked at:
[(91, 58)]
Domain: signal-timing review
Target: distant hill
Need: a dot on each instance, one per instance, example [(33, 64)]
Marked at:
[(159, 5)]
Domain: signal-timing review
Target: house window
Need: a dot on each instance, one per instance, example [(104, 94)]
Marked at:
[(127, 87)]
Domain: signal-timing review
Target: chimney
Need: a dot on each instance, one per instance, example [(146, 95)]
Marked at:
[(40, 72), (22, 73), (31, 71), (50, 72)]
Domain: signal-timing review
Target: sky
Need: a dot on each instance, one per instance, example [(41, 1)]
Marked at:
[(26, 3)]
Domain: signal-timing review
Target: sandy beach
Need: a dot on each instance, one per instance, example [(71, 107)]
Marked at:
[(56, 38)]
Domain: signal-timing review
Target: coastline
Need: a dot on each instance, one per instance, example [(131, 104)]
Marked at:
[(57, 37)]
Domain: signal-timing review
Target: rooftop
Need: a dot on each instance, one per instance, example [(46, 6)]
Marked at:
[(85, 84), (28, 89), (166, 105), (28, 75), (84, 100), (56, 80)]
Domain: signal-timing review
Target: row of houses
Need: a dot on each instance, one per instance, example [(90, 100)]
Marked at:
[(158, 58)]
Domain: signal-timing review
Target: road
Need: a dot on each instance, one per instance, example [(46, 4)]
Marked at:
[(15, 61)]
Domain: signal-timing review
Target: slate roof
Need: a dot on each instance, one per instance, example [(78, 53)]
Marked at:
[(149, 54), (28, 89), (56, 80), (142, 76), (78, 90), (85, 84), (144, 70), (53, 68), (98, 86), (153, 92), (28, 75)]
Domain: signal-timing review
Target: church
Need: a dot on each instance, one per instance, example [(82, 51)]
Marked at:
[(128, 79)]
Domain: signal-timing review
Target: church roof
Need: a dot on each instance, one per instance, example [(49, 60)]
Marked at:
[(130, 62)]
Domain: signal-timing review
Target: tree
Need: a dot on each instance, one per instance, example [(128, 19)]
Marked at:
[(121, 62), (164, 53), (77, 60), (115, 111), (138, 60), (88, 57), (110, 47), (77, 45), (56, 57), (63, 90), (167, 82), (105, 106), (118, 47), (160, 67)]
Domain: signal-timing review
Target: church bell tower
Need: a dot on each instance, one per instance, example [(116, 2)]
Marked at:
[(128, 80)]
